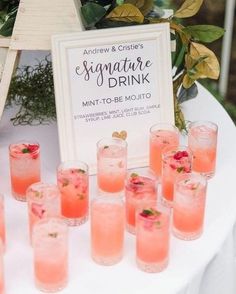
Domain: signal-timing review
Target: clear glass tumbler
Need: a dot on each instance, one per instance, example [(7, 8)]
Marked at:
[(153, 237), (111, 164), (43, 201), (140, 187), (202, 140), (73, 182), (50, 247), (24, 167), (107, 229), (176, 160), (189, 206), (162, 135)]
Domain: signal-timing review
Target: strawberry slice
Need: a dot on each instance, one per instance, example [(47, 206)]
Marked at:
[(37, 210)]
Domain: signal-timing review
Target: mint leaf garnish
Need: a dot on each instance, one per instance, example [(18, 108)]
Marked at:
[(180, 169), (25, 150)]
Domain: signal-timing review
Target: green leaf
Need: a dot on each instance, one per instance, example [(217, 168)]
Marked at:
[(127, 13), (204, 33), (187, 94), (7, 27), (119, 2), (92, 13), (188, 8)]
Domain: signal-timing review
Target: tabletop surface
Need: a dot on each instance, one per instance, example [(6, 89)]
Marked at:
[(186, 257)]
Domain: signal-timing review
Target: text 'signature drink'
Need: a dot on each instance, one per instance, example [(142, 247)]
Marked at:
[(153, 237), (107, 229), (202, 140), (24, 167), (50, 246), (140, 187), (43, 201), (189, 206), (111, 164), (176, 161), (161, 136), (73, 182)]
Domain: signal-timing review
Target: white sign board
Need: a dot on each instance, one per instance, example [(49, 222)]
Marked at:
[(112, 80)]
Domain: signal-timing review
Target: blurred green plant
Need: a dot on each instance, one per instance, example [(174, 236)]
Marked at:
[(8, 11)]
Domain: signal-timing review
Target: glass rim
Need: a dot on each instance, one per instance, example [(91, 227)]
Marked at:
[(107, 198), (190, 175), (118, 141), (202, 122), (167, 151), (63, 165), (29, 142), (158, 204), (164, 124), (41, 185)]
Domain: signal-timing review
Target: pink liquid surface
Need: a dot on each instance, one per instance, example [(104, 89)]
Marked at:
[(111, 168), (159, 140)]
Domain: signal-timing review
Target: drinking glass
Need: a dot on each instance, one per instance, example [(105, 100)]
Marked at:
[(43, 201), (50, 247), (189, 206), (140, 187), (107, 229), (152, 237), (162, 135), (111, 164), (24, 167), (73, 182), (2, 222), (202, 140), (176, 160)]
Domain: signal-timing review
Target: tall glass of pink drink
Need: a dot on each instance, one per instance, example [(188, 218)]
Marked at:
[(2, 222), (189, 206), (202, 140), (73, 182), (152, 237), (50, 246), (107, 229), (111, 164), (24, 167), (140, 187), (162, 135), (176, 160), (43, 201)]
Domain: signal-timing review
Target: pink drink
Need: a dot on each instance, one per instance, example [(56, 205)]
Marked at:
[(50, 244), (202, 140), (24, 167), (189, 206), (73, 182), (111, 165), (43, 202), (107, 230), (176, 161), (139, 189), (152, 237), (2, 223), (161, 136)]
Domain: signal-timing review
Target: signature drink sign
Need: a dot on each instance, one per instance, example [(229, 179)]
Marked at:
[(111, 80)]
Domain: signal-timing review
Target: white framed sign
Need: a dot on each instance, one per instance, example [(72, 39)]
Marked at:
[(111, 80)]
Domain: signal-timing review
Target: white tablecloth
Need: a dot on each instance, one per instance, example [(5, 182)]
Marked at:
[(203, 266)]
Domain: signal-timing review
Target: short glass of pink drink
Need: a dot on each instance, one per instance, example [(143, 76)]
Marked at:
[(107, 229), (152, 237), (73, 182), (176, 160), (43, 202), (140, 187), (162, 135), (50, 246), (111, 164), (189, 206), (24, 167), (202, 140), (2, 223)]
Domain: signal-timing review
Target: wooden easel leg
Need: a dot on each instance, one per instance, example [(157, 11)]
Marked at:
[(9, 67)]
